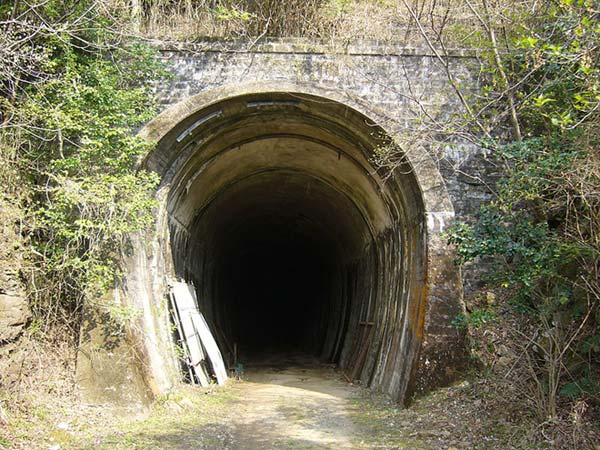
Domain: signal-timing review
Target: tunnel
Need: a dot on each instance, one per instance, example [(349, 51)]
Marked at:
[(278, 246), (272, 208)]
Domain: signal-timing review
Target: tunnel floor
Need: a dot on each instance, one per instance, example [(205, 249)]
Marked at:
[(292, 400)]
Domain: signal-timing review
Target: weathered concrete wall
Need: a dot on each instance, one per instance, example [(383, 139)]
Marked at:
[(111, 363)]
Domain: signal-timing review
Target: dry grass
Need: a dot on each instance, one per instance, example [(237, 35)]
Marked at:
[(514, 388), (451, 22), (36, 385)]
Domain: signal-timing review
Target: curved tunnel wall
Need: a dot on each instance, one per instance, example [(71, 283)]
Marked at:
[(272, 208)]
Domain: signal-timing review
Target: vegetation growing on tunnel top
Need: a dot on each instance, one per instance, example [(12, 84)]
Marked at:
[(339, 20), (72, 91)]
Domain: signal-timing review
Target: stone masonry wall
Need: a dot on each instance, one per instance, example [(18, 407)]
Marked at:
[(409, 86)]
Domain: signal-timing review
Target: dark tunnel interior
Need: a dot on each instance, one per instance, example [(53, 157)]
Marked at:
[(271, 263), (293, 242), (274, 283)]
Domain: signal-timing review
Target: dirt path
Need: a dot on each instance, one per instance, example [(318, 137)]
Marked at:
[(293, 404)]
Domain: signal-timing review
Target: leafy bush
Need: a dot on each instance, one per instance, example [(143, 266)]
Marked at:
[(542, 230), (476, 318), (69, 108)]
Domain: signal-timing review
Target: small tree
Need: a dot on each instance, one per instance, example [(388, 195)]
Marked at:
[(72, 91)]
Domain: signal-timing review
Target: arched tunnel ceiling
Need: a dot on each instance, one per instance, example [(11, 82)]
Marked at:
[(264, 142), (278, 129), (275, 154)]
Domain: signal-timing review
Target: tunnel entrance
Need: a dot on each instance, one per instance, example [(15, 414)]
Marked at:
[(271, 207), (280, 243)]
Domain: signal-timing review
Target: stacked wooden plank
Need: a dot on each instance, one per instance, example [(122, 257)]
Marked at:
[(201, 351)]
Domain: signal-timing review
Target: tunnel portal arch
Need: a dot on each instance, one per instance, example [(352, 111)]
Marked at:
[(270, 205)]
